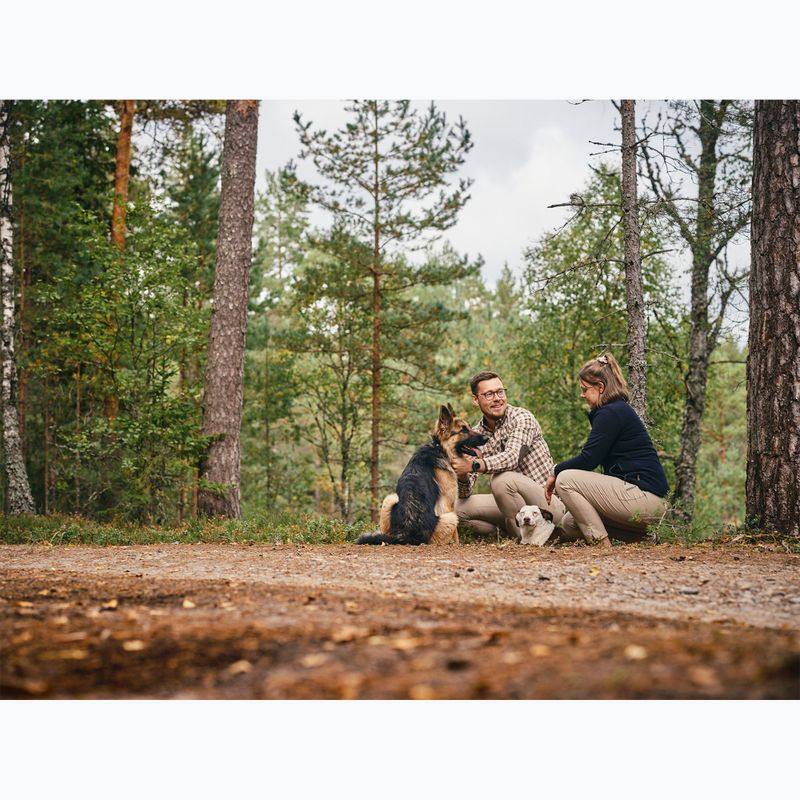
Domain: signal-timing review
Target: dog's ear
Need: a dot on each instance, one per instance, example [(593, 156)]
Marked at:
[(452, 413), (546, 514), (445, 415)]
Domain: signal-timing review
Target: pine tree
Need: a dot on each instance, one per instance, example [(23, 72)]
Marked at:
[(222, 402), (387, 177), (773, 365)]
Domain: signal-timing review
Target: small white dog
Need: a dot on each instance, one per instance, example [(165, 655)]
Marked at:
[(535, 527)]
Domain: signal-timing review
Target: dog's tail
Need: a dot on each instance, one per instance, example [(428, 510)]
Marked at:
[(389, 502), (376, 538), (384, 536)]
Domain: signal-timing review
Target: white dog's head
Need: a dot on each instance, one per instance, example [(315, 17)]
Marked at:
[(535, 527)]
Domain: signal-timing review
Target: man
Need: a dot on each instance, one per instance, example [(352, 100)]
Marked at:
[(516, 456)]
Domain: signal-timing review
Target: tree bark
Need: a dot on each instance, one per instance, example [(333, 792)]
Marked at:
[(376, 341), (19, 499), (222, 401), (700, 344), (122, 171), (637, 362), (773, 363)]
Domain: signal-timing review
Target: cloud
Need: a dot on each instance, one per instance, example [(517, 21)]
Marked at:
[(509, 207)]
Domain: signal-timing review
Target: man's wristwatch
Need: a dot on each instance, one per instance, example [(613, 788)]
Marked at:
[(476, 466)]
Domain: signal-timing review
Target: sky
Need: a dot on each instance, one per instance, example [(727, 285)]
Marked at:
[(527, 154)]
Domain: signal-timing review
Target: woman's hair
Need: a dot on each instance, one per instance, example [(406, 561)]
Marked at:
[(605, 369)]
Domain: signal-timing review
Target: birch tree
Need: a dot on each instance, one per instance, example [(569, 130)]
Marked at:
[(19, 498), (222, 402), (634, 286), (773, 363)]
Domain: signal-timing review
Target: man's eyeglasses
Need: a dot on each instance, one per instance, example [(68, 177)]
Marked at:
[(499, 393)]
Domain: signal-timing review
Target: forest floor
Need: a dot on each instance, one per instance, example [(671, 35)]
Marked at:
[(345, 621)]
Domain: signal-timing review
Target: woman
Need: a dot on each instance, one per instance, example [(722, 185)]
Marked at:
[(630, 493)]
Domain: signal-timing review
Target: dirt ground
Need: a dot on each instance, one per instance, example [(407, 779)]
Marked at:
[(343, 621)]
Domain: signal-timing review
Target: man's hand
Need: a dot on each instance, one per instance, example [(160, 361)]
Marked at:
[(462, 467), (549, 485)]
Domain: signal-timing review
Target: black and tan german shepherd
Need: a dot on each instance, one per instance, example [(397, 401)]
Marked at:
[(421, 511)]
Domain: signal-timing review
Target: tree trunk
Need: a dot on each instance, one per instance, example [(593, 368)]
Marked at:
[(78, 414), (773, 363), (700, 345), (376, 342), (122, 171), (46, 414), (19, 499), (24, 330), (633, 264), (222, 401)]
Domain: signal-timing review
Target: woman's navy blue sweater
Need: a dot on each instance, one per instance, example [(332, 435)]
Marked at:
[(621, 444)]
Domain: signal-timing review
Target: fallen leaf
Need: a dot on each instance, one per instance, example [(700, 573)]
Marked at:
[(133, 645), (65, 655), (76, 636), (376, 640), (313, 660), (239, 667), (350, 685), (44, 592), (422, 692), (24, 604), (34, 687), (635, 652), (22, 638), (405, 643), (188, 604), (62, 620), (227, 605), (540, 650), (594, 571), (110, 605), (703, 676), (347, 633)]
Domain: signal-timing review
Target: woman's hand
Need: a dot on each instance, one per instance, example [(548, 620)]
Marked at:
[(549, 485)]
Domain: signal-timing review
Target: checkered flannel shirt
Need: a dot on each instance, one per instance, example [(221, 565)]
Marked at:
[(515, 444)]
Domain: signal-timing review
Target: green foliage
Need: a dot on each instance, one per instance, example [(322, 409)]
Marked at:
[(61, 529), (125, 331), (721, 465), (386, 171), (132, 326), (575, 309), (192, 181), (276, 472)]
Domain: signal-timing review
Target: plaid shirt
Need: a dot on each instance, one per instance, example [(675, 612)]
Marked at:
[(515, 444)]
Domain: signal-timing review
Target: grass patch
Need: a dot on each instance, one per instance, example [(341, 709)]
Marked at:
[(673, 530), (266, 529)]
